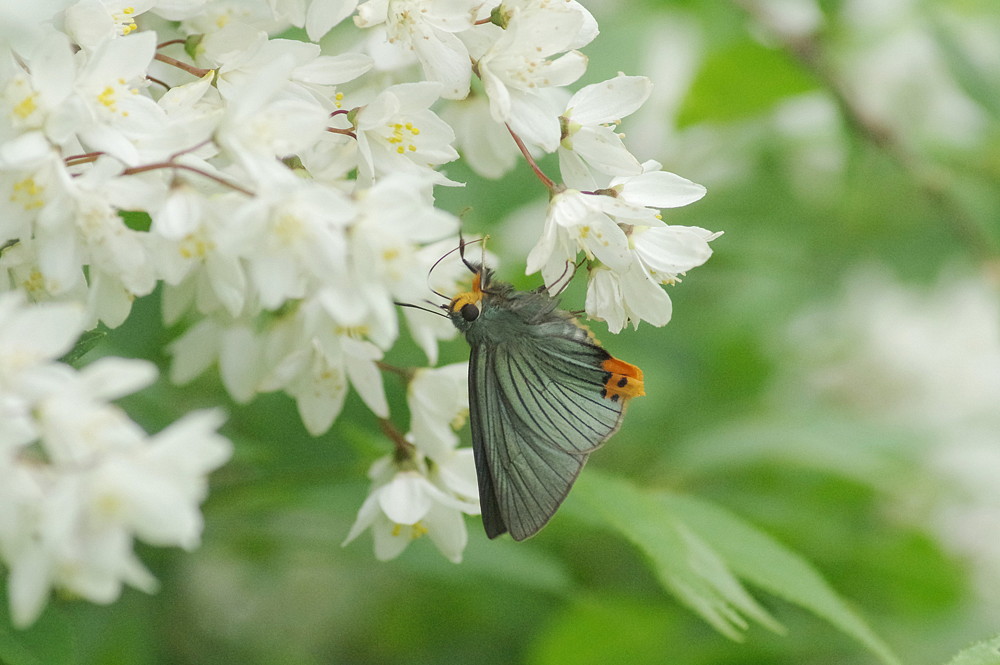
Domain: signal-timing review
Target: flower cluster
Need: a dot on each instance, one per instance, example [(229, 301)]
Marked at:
[(79, 481), (282, 195)]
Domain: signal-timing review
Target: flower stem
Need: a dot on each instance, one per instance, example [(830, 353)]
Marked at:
[(345, 132), (404, 449), (190, 69), (547, 181), (405, 372), (85, 158), (173, 165)]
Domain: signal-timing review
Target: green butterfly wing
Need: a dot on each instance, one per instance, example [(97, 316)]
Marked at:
[(537, 412)]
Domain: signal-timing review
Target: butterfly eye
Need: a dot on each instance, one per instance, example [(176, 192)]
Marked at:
[(470, 312)]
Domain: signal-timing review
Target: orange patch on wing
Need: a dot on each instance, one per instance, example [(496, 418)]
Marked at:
[(470, 297), (624, 382)]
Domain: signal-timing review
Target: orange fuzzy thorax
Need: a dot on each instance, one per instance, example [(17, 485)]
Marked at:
[(472, 297)]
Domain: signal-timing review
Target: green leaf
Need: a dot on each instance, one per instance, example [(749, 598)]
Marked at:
[(700, 553), (757, 558), (982, 653), (742, 81), (87, 341), (136, 219), (684, 563)]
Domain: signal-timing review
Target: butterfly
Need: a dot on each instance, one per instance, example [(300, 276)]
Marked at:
[(543, 395)]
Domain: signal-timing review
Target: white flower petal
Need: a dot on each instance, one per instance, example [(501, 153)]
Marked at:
[(405, 500), (446, 528), (389, 539), (609, 101), (366, 517), (111, 378), (659, 189), (323, 15), (672, 249), (604, 150), (359, 359)]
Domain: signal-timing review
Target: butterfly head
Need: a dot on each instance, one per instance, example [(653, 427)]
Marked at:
[(465, 308)]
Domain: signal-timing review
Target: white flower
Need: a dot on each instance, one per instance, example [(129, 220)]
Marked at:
[(588, 129), (444, 275), (264, 121), (320, 387), (19, 271), (110, 108), (586, 24), (323, 15), (294, 238), (578, 221), (427, 485), (670, 251), (660, 255), (33, 335), (654, 188), (303, 351), (242, 53), (33, 96), (397, 131), (408, 500), (92, 22), (392, 261), (486, 146), (82, 515), (428, 27), (439, 403), (517, 68), (625, 286), (619, 297)]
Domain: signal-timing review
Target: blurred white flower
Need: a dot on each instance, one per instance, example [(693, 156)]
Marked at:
[(928, 362), (901, 59), (79, 480), (486, 145)]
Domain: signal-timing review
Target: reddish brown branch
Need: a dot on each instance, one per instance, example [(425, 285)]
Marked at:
[(179, 64), (547, 181)]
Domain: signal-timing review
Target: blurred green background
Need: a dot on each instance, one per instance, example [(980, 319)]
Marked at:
[(831, 376)]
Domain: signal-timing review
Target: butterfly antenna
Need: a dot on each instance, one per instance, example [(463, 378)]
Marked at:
[(423, 309), (461, 249), (576, 266)]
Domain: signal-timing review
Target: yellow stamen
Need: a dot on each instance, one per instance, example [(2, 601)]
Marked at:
[(27, 106)]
